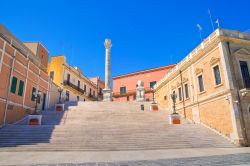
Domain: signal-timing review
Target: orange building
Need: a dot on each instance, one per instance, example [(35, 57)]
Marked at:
[(23, 72), (124, 86)]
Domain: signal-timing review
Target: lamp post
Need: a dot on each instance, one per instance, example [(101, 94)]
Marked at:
[(37, 97), (60, 90), (153, 92), (174, 96)]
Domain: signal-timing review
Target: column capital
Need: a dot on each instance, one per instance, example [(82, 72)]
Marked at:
[(107, 43)]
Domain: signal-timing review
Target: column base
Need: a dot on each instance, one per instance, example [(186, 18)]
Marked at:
[(107, 95)]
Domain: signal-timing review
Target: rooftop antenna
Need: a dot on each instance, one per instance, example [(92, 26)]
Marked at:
[(211, 20), (218, 23), (200, 29)]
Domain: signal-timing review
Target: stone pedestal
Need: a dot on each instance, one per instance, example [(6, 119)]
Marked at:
[(174, 119), (140, 92), (59, 107), (154, 107), (107, 95), (34, 119)]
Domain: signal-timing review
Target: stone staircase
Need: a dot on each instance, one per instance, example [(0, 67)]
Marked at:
[(101, 126)]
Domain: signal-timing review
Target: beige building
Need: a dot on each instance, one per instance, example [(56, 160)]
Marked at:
[(77, 87), (212, 84)]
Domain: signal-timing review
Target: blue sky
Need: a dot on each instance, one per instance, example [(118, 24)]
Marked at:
[(145, 33)]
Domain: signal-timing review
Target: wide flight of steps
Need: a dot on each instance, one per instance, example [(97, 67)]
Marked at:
[(101, 126)]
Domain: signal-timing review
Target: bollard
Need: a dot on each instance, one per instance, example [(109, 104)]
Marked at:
[(142, 107)]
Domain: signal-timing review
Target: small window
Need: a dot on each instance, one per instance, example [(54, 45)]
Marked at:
[(33, 95), (165, 97), (93, 93), (85, 88), (186, 91), (13, 85), (201, 85), (51, 75), (152, 84), (217, 75), (180, 94), (123, 90), (20, 89)]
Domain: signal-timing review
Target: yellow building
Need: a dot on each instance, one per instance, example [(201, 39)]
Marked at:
[(77, 87), (212, 84)]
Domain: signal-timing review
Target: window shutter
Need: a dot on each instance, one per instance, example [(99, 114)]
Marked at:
[(13, 85), (32, 95), (21, 86)]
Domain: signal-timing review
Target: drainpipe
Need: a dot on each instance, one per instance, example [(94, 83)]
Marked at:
[(242, 121), (8, 93), (182, 91)]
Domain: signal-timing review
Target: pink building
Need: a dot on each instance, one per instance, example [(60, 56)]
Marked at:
[(124, 86)]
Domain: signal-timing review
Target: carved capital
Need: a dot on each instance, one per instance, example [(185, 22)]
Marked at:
[(107, 43)]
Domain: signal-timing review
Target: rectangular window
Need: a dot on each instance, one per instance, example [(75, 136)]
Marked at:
[(217, 75), (51, 75), (20, 89), (33, 95), (186, 91), (180, 94), (152, 84), (123, 90), (201, 86), (85, 88), (13, 85), (245, 74)]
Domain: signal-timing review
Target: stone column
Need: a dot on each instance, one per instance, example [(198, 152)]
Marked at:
[(107, 93)]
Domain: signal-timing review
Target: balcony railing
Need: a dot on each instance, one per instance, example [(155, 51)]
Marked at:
[(130, 92)]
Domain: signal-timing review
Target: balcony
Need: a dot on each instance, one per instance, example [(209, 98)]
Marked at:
[(75, 87)]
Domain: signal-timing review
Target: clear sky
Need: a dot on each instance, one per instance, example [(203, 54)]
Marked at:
[(145, 33)]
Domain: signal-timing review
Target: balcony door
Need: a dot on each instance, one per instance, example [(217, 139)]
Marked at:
[(245, 74)]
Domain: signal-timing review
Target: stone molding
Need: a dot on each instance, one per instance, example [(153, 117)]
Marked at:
[(213, 61), (198, 71)]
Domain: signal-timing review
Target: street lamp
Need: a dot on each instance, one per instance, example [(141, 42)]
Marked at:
[(174, 96), (37, 96), (153, 92), (60, 90)]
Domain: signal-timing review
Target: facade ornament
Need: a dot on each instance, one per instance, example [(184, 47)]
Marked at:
[(198, 71), (213, 61)]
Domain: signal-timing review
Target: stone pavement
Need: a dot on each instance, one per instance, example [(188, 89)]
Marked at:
[(193, 156)]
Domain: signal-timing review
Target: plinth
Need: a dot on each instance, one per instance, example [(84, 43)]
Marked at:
[(154, 107), (59, 107), (107, 95), (35, 119), (174, 118)]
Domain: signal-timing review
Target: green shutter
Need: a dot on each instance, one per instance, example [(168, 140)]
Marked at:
[(21, 86), (32, 95), (13, 85)]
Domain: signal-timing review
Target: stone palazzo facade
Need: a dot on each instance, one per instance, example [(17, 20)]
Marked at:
[(212, 84), (23, 72), (76, 86)]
